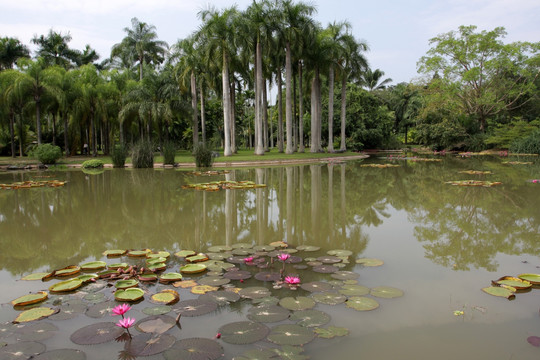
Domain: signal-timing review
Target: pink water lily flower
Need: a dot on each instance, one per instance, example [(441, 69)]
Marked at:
[(126, 323), (283, 257), (536, 181), (121, 309), (292, 280), (248, 259)]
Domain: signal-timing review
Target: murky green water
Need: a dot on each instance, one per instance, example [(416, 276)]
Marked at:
[(440, 243)]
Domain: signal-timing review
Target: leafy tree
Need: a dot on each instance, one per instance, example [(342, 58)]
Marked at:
[(54, 49), (484, 75), (372, 80), (11, 50)]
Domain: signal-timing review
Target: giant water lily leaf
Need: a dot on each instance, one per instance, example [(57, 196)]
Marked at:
[(325, 269), (155, 260), (219, 248), (499, 291), (184, 284), (264, 247), (170, 277), (268, 314), (194, 349), (67, 271), (147, 277), (218, 265), (291, 335), (362, 303), (200, 257), (61, 354), (254, 292), (259, 354), (30, 299), (331, 332), (268, 276), (157, 267), (514, 282), (532, 278), (369, 262), (344, 275), (185, 253), (308, 248), (237, 275), (329, 298), (126, 284), (93, 265), (310, 318), (131, 294), (157, 310), (35, 276), (149, 344), (137, 253), (159, 254), (21, 350), (100, 310), (265, 301), (288, 352), (69, 310), (95, 297), (194, 307), (354, 290), (192, 268), (221, 297), (114, 253), (298, 303), (242, 246), (96, 333), (38, 331), (115, 266), (157, 324), (328, 259), (386, 292), (68, 285), (88, 277), (340, 253), (37, 313), (167, 296), (203, 289), (243, 332), (214, 281), (316, 286)]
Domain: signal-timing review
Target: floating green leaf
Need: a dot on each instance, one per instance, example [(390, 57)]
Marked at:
[(316, 286), (37, 331), (88, 277), (167, 296), (243, 332), (308, 248), (96, 333), (386, 292), (214, 280), (35, 314), (499, 291), (137, 253), (354, 290), (331, 332), (194, 307), (149, 344), (126, 284), (93, 265), (254, 292), (362, 303), (369, 262), (61, 354), (30, 299), (114, 253), (329, 298), (131, 294), (532, 278), (298, 303), (160, 254), (170, 277), (67, 271), (155, 260), (184, 253), (268, 314), (192, 268), (157, 324), (514, 282), (220, 297), (35, 276), (219, 248), (310, 318), (68, 285), (339, 252), (291, 335), (21, 350)]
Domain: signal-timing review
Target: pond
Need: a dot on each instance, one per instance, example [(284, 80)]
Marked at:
[(440, 245)]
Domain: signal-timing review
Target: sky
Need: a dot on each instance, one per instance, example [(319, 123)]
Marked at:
[(397, 31)]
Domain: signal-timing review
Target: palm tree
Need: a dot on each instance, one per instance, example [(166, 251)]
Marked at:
[(7, 101), (141, 41), (371, 79), (11, 50), (54, 49)]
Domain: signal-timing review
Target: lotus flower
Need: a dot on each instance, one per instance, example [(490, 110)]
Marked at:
[(121, 309), (536, 181), (248, 259), (126, 323), (283, 257), (292, 280)]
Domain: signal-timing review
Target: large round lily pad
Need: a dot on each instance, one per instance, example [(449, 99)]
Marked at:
[(532, 278), (114, 253), (126, 284), (243, 332), (194, 307), (254, 292), (35, 276), (219, 248), (38, 331), (268, 276), (386, 292), (328, 259), (316, 286), (157, 310), (93, 265), (514, 282), (185, 253), (170, 277), (68, 285), (268, 314), (214, 280), (192, 268), (331, 332), (345, 275), (67, 271), (96, 333), (308, 248), (310, 318), (137, 253), (297, 303), (354, 290), (242, 246), (100, 310), (499, 291), (221, 297), (21, 350), (167, 296), (362, 303), (157, 324), (369, 262), (37, 313), (237, 275), (69, 310), (289, 334), (329, 298), (30, 299), (149, 344), (325, 269), (61, 354), (131, 294), (194, 349), (116, 266), (159, 254), (340, 252)]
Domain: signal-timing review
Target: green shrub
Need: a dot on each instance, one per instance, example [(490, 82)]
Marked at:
[(142, 155), (203, 156), (92, 164), (527, 145), (47, 153), (119, 155), (169, 152), (505, 135)]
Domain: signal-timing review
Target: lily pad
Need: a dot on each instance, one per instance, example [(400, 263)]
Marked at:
[(137, 253), (131, 294), (328, 259), (254, 292), (184, 253), (237, 275), (88, 277), (354, 290), (21, 350), (167, 297), (156, 324), (30, 299), (93, 265), (268, 276), (170, 277), (126, 284), (157, 310), (386, 292), (340, 252), (114, 253), (147, 277), (331, 332), (362, 303), (197, 258), (264, 248), (67, 271), (298, 303), (96, 333), (514, 282), (268, 314), (159, 254), (68, 285), (203, 289), (242, 246), (61, 354), (155, 260), (105, 274), (267, 301), (243, 332), (499, 291), (325, 269), (214, 280), (369, 262), (310, 318), (316, 286), (345, 275), (221, 297), (35, 276), (149, 344), (219, 248), (94, 297), (329, 298), (157, 267), (194, 307), (289, 334), (194, 349), (308, 248), (38, 331), (100, 310), (184, 284), (192, 268), (532, 278), (69, 310)]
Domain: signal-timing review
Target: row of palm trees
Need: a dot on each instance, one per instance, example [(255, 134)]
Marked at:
[(147, 89)]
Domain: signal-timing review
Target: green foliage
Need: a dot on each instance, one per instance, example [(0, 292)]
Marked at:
[(527, 145), (118, 156), (142, 155), (203, 156), (446, 134), (506, 134), (92, 164), (169, 152), (47, 153)]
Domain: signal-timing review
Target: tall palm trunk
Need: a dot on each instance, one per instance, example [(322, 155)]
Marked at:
[(331, 109), (226, 106), (21, 134), (265, 117), (194, 120), (343, 146), (234, 150), (66, 129), (301, 147), (316, 114), (203, 117), (12, 131), (280, 112), (54, 128), (259, 145), (37, 99), (288, 99)]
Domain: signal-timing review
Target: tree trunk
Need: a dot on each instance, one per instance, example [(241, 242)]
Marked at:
[(319, 112), (21, 134), (280, 112), (259, 145), (203, 116), (54, 128), (226, 106), (288, 98), (301, 147), (233, 118), (38, 121), (12, 132), (343, 146), (331, 109), (94, 135), (265, 117), (194, 120), (295, 119), (66, 130)]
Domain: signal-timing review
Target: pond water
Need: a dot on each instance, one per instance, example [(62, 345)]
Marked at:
[(441, 244)]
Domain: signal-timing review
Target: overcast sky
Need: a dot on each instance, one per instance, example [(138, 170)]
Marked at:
[(397, 31)]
